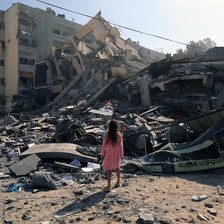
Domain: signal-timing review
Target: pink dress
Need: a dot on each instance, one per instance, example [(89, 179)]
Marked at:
[(113, 153)]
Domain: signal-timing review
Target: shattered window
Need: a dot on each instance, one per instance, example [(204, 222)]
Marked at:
[(26, 61), (65, 34), (2, 62), (24, 41), (2, 25), (23, 22), (3, 44), (2, 81), (26, 81), (56, 31), (23, 60)]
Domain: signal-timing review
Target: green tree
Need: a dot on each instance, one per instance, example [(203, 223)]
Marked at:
[(180, 51), (200, 46)]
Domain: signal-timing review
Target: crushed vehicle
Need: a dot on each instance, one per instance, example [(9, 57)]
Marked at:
[(204, 149)]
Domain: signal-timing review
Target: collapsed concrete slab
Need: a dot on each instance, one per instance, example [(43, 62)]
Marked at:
[(58, 151), (25, 166)]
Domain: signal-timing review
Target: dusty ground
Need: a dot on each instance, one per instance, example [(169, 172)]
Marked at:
[(167, 198)]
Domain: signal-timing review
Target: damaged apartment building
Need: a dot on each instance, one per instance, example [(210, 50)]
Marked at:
[(94, 59), (26, 34)]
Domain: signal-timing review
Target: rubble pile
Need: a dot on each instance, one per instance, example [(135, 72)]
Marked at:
[(90, 67), (97, 65), (181, 87)]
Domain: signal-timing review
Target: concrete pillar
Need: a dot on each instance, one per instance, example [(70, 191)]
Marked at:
[(144, 83)]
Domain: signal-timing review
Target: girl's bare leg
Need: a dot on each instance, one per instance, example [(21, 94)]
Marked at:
[(109, 172), (118, 176)]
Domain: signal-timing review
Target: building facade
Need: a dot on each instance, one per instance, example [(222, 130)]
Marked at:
[(26, 36)]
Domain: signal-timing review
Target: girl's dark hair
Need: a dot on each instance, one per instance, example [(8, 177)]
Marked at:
[(113, 130)]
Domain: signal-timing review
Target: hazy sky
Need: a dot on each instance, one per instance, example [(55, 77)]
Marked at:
[(180, 20)]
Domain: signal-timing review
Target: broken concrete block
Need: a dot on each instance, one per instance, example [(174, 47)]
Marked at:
[(128, 54), (23, 167), (81, 103), (146, 218), (118, 71), (212, 211)]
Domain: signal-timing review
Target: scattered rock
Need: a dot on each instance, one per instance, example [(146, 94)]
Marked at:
[(202, 217), (208, 205), (110, 213), (9, 201), (126, 220), (8, 221), (164, 221), (78, 219), (91, 218), (146, 218), (212, 211), (79, 192)]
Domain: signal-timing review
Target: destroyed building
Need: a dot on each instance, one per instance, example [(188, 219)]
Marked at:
[(95, 56)]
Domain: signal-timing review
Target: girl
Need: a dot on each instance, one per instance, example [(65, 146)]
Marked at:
[(113, 141)]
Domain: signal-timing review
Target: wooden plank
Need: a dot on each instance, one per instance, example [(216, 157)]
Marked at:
[(66, 166), (140, 118), (148, 111), (105, 113)]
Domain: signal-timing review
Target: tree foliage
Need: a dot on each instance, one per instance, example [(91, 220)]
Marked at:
[(200, 46)]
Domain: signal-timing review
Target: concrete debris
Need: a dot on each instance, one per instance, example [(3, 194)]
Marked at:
[(199, 198), (145, 216), (25, 166), (220, 189), (58, 150), (212, 211)]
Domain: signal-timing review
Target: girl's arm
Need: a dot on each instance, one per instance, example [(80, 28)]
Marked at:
[(122, 148), (104, 145)]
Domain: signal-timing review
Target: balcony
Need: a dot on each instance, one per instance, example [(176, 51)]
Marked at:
[(59, 38), (31, 28), (2, 34), (26, 68), (27, 49), (2, 72)]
